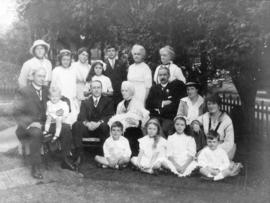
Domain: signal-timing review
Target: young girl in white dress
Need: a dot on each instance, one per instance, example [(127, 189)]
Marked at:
[(64, 78), (181, 150), (140, 74), (166, 55), (116, 149), (96, 73), (152, 150)]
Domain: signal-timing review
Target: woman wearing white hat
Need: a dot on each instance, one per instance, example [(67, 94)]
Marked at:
[(39, 50)]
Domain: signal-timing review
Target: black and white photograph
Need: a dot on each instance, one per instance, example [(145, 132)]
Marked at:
[(134, 101)]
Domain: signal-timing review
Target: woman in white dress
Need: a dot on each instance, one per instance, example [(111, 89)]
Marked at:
[(140, 74), (64, 78), (39, 50), (166, 55), (81, 68)]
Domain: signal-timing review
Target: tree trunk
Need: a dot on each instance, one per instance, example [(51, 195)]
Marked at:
[(247, 90)]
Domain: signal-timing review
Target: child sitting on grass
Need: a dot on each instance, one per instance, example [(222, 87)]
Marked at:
[(181, 150), (152, 149), (214, 162), (53, 106), (116, 149)]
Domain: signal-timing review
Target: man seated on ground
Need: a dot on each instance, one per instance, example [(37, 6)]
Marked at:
[(92, 119), (29, 112), (164, 98)]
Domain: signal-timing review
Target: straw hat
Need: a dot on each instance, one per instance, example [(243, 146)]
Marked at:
[(38, 43)]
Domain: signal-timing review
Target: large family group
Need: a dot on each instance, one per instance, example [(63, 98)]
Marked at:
[(152, 122)]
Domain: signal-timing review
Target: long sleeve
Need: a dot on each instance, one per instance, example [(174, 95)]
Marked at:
[(127, 150), (228, 141), (179, 74), (156, 75), (148, 77), (202, 159), (23, 77), (225, 162), (19, 113), (192, 147), (83, 112), (182, 109), (106, 150), (169, 151), (108, 111)]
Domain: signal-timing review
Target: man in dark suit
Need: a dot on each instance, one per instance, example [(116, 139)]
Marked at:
[(163, 99), (92, 119), (29, 112), (116, 71)]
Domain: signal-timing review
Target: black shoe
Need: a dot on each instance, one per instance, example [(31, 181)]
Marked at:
[(36, 172), (67, 165), (207, 178)]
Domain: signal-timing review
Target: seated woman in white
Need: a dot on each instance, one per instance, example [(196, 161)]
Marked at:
[(191, 107), (166, 55), (132, 114), (152, 149), (96, 73), (220, 122)]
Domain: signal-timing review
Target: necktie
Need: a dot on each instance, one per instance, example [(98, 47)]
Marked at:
[(112, 63), (39, 94), (95, 102)]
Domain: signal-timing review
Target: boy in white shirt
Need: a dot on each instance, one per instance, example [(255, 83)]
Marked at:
[(53, 105), (214, 162), (116, 149)]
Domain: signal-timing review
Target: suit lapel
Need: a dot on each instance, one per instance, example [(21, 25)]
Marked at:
[(35, 96)]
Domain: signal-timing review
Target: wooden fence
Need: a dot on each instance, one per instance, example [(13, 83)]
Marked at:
[(232, 105)]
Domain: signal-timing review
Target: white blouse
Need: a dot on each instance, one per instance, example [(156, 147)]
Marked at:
[(141, 76), (116, 148), (180, 147), (175, 73), (146, 147), (32, 64), (81, 71), (65, 79), (192, 109), (217, 158)]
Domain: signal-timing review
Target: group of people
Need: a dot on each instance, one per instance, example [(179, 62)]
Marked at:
[(155, 123)]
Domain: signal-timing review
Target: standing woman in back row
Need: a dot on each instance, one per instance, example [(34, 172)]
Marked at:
[(139, 74), (166, 56), (81, 68), (39, 50)]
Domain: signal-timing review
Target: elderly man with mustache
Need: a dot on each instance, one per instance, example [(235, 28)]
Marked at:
[(163, 99)]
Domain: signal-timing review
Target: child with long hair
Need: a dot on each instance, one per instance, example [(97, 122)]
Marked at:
[(152, 148), (181, 150), (97, 73)]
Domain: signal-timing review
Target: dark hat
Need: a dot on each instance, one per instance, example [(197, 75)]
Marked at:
[(193, 83)]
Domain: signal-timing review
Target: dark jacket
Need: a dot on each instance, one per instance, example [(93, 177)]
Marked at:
[(28, 108), (118, 74), (174, 91), (103, 111)]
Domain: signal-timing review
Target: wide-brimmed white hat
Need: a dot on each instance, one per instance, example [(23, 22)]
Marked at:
[(37, 43)]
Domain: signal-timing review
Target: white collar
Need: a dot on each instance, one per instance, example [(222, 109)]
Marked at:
[(36, 87), (96, 98), (164, 85)]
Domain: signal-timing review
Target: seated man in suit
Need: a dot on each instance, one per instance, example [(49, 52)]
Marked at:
[(92, 119), (29, 112), (163, 99)]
